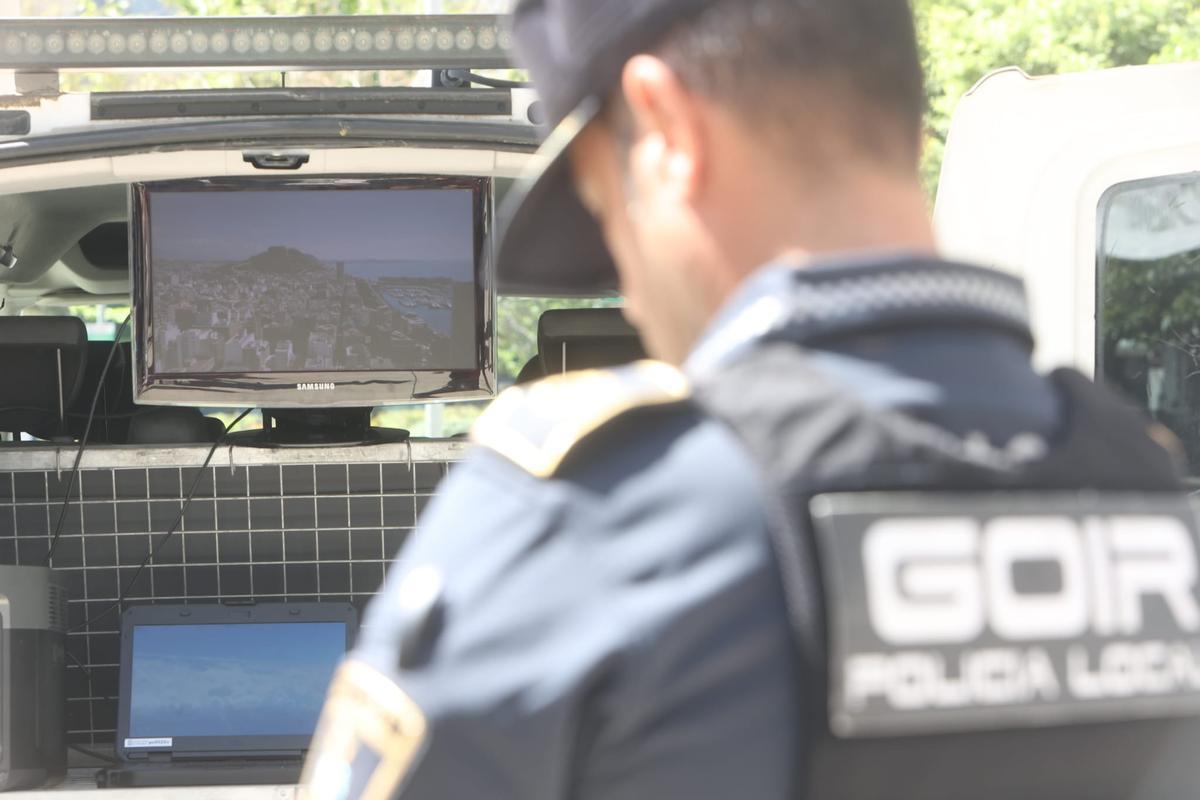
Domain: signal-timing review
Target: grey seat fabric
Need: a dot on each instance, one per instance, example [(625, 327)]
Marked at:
[(116, 408), (583, 338), (174, 426), (42, 364), (532, 371)]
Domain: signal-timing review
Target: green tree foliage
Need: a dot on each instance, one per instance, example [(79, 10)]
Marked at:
[(964, 40), (1151, 304)]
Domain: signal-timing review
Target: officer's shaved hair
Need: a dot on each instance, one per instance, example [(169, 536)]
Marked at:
[(788, 65)]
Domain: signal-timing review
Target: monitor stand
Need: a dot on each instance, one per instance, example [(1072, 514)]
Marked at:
[(324, 426)]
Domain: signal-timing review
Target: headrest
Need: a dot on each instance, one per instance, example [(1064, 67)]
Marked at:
[(43, 332), (115, 408), (586, 338), (30, 347)]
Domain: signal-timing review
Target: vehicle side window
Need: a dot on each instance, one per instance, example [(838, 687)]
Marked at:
[(1148, 294), (102, 320)]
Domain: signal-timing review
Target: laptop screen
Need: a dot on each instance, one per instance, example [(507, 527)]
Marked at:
[(246, 679)]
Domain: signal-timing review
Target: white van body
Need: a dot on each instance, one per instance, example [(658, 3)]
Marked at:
[(1030, 164)]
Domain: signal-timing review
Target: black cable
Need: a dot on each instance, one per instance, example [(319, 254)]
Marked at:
[(69, 414), (87, 432), (28, 410), (187, 501), (87, 672), (483, 80), (107, 415)]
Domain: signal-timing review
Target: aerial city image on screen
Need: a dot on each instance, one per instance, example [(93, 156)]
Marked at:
[(340, 280)]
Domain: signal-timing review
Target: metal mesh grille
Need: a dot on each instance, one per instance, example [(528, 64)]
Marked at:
[(58, 608), (292, 532)]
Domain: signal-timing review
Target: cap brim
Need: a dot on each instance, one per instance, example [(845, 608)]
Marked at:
[(549, 242)]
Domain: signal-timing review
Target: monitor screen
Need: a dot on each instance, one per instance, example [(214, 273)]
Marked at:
[(343, 285), (316, 280), (247, 679)]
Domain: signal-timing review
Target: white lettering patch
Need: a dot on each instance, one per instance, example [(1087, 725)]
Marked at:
[(955, 613)]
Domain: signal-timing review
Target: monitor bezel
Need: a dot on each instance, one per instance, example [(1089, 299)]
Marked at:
[(313, 389), (213, 614)]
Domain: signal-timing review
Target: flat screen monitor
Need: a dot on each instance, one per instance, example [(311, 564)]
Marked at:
[(314, 292)]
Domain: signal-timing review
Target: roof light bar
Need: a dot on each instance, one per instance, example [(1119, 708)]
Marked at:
[(319, 43)]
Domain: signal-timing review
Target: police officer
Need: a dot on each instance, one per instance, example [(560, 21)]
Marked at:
[(841, 540)]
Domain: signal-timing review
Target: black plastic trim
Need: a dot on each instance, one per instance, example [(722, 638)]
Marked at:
[(106, 247), (14, 123), (314, 132), (308, 102), (286, 162)]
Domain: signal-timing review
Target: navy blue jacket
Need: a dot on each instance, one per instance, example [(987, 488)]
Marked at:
[(616, 629)]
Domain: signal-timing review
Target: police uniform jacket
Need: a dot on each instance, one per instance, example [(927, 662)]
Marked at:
[(618, 594)]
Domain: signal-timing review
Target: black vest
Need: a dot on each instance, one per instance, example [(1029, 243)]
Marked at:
[(811, 437)]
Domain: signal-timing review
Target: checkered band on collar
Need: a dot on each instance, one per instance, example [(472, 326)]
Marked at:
[(827, 304), (847, 299)]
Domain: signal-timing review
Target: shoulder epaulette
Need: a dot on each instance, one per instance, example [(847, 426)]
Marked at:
[(537, 426)]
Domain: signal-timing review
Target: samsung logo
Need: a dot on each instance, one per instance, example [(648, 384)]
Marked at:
[(315, 387)]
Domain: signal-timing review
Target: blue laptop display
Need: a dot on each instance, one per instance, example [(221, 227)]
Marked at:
[(255, 679), (223, 686)]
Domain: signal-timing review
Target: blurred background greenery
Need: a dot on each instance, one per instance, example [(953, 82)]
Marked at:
[(963, 40)]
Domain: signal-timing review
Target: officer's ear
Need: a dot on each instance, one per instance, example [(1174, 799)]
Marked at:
[(667, 127)]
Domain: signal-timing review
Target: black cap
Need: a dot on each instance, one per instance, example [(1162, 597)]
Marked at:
[(575, 51)]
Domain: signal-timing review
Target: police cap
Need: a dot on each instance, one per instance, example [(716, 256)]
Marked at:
[(575, 50)]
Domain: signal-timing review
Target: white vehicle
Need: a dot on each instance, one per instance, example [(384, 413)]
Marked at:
[(1088, 186)]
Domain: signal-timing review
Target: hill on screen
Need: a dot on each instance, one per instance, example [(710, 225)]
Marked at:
[(280, 260), (283, 261)]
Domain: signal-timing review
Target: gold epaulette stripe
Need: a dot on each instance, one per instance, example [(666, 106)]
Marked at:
[(537, 427)]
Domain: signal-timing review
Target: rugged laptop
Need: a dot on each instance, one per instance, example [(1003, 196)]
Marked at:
[(223, 695)]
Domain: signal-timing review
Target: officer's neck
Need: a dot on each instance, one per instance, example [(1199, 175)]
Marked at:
[(859, 208)]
